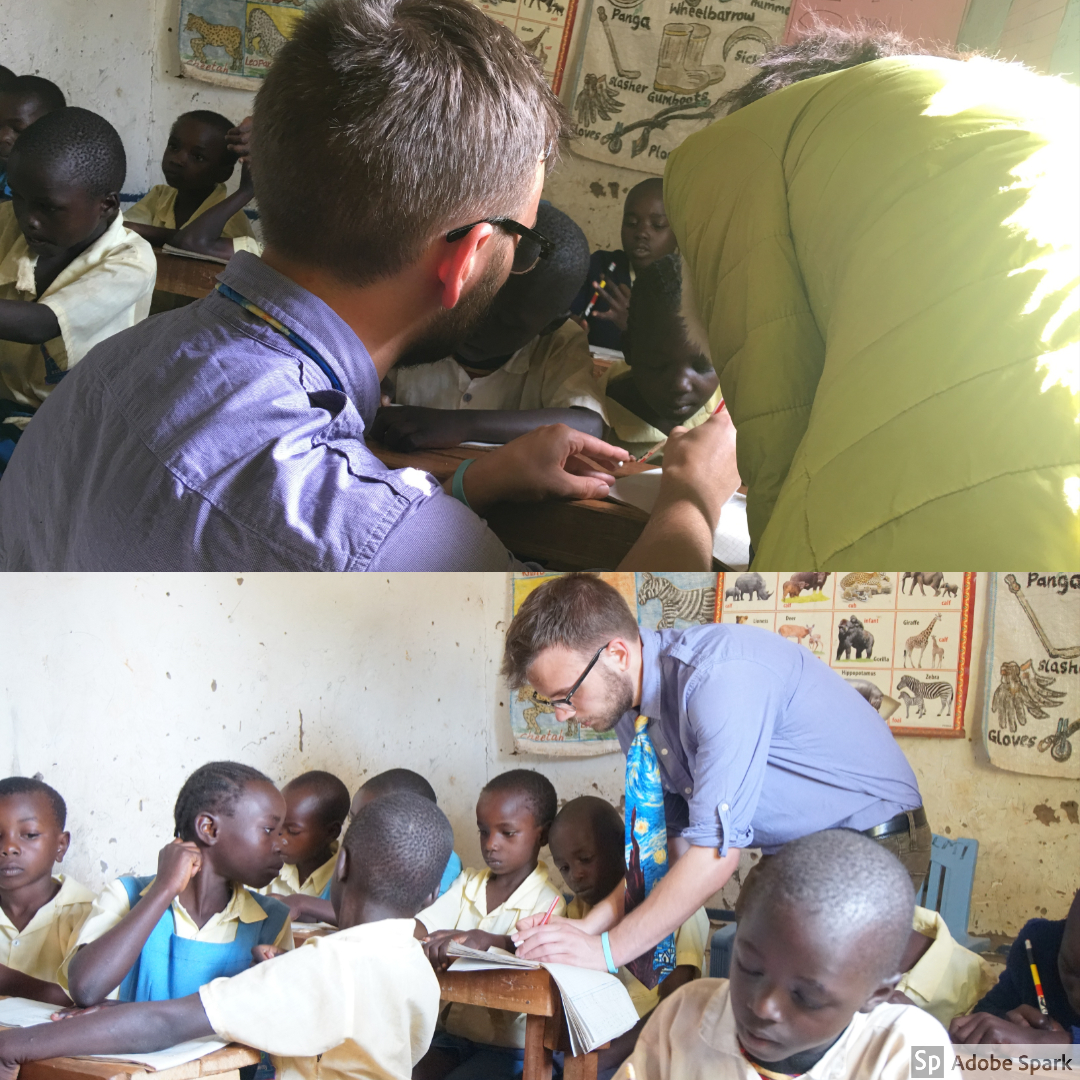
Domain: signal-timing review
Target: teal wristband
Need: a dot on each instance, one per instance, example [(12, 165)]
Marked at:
[(607, 954), (457, 486)]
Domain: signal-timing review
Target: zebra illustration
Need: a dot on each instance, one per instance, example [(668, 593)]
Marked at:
[(921, 690), (690, 605)]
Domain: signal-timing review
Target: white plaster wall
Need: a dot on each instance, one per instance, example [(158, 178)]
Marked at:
[(115, 687), (117, 57)]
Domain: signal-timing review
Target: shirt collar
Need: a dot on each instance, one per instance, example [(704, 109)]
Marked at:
[(650, 674), (242, 905), (318, 878), (71, 892), (313, 320), (524, 896)]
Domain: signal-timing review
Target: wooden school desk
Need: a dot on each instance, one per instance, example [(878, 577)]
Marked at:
[(185, 277), (222, 1064), (581, 535), (533, 993)]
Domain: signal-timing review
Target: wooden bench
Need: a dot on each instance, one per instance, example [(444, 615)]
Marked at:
[(535, 994), (222, 1064)]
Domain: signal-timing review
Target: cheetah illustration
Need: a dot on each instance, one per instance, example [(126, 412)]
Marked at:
[(215, 36), (538, 707), (264, 37)]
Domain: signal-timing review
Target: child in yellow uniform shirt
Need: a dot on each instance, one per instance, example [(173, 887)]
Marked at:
[(360, 1004), (71, 275), (316, 806), (588, 849), (480, 909), (40, 916), (23, 99), (197, 162), (817, 955), (665, 379)]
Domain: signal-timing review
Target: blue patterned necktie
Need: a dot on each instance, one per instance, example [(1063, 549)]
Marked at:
[(646, 847)]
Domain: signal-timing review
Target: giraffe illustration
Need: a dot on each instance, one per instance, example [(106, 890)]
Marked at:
[(937, 653), (918, 641)]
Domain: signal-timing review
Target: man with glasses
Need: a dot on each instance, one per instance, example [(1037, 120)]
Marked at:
[(752, 742), (399, 149)]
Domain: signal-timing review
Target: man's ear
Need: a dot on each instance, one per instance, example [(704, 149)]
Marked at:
[(619, 653), (882, 993), (463, 260), (206, 830)]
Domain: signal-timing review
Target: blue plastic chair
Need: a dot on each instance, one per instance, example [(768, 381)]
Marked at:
[(948, 884), (722, 941)]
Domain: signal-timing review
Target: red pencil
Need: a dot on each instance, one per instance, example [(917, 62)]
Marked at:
[(660, 445), (543, 921)]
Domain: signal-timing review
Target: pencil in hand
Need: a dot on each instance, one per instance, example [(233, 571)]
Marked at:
[(1035, 978)]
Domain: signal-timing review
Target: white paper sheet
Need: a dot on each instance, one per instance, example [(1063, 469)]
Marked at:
[(731, 541), (598, 1008), (21, 1012)]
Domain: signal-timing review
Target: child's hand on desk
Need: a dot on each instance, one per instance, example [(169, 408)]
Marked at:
[(435, 946), (178, 862), (550, 462), (413, 427), (1014, 1028), (262, 953)]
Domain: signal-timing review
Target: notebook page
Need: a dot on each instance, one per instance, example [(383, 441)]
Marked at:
[(597, 1006)]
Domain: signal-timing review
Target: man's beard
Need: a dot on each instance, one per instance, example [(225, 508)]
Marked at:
[(620, 689), (451, 326)]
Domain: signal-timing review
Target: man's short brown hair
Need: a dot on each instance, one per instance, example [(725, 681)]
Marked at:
[(383, 123), (579, 611)]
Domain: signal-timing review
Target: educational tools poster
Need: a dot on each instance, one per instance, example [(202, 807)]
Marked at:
[(1031, 714), (926, 20), (662, 601), (232, 42), (652, 72), (903, 640)]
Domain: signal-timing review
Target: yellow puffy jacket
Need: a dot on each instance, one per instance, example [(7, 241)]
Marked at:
[(884, 260)]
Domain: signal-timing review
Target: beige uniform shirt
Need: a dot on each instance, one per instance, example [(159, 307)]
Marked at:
[(360, 1004), (104, 290), (628, 429), (948, 980), (690, 941), (48, 939), (464, 907), (158, 207), (112, 905), (288, 882), (551, 372), (691, 1036)]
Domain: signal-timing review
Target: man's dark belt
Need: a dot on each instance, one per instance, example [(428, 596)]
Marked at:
[(898, 824)]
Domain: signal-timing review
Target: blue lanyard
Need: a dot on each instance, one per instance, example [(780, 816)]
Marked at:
[(307, 349)]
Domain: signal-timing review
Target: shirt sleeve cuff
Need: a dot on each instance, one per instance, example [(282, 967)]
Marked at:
[(719, 834)]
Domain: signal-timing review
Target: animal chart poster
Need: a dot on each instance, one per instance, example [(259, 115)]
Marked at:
[(903, 640), (662, 601), (652, 72), (1032, 700), (232, 42)]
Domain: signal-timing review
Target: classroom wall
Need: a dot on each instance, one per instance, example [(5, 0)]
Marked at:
[(117, 686)]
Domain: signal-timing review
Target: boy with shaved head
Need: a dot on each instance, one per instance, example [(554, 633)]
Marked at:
[(360, 1004), (817, 954)]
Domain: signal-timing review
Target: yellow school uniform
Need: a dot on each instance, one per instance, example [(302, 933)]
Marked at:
[(220, 929), (628, 429), (288, 882), (464, 907), (158, 208), (948, 980), (691, 1036), (358, 1005), (104, 290), (553, 371), (42, 946), (690, 941)]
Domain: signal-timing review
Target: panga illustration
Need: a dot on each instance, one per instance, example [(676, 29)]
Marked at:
[(1065, 652), (596, 99), (1022, 688), (623, 73)]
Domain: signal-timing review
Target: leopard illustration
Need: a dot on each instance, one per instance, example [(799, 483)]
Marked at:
[(264, 37), (216, 36)]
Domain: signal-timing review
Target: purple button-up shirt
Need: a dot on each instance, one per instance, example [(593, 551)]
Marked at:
[(762, 740), (203, 439)]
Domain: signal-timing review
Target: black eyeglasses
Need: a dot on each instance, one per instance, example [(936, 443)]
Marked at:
[(566, 702), (531, 246)]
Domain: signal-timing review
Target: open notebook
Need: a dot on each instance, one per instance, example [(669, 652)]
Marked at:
[(597, 1006), (21, 1012)]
